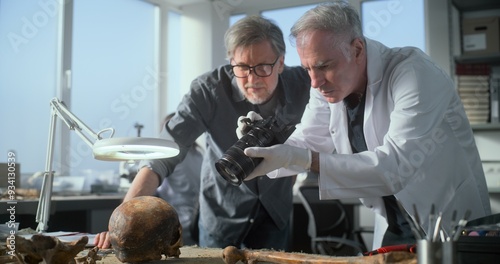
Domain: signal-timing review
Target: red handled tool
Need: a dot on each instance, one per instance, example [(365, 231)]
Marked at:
[(405, 247)]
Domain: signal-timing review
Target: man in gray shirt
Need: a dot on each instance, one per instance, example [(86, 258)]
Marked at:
[(255, 214)]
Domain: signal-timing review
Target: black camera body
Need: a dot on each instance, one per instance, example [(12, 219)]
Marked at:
[(235, 166)]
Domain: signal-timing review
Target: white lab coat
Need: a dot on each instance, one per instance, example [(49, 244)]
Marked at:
[(420, 144)]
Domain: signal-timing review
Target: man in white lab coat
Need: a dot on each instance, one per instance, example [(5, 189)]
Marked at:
[(384, 125)]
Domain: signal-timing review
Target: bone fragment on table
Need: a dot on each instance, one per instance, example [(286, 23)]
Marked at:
[(231, 255), (48, 249), (90, 258)]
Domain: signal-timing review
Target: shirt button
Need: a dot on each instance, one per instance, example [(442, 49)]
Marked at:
[(251, 220)]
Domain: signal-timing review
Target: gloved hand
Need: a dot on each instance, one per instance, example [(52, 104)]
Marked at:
[(279, 156), (243, 127)]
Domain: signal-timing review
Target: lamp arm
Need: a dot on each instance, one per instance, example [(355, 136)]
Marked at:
[(58, 109), (74, 123), (43, 209), (103, 149)]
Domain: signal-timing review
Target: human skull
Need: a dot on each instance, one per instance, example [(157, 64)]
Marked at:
[(143, 229)]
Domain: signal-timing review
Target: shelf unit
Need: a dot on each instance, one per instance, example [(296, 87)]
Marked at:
[(476, 6), (486, 127), (493, 59)]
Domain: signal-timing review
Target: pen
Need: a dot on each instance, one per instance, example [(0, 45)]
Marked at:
[(414, 226), (461, 224), (437, 227), (442, 234), (430, 231), (452, 226), (417, 218)]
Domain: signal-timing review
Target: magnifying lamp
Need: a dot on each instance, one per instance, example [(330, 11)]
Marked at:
[(108, 149)]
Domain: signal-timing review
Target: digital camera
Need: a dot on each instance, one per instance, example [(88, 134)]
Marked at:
[(234, 165)]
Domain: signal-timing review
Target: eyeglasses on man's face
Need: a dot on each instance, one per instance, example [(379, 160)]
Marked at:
[(261, 70)]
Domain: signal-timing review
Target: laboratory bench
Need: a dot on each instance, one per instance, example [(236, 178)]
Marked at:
[(82, 213), (197, 255), (91, 213)]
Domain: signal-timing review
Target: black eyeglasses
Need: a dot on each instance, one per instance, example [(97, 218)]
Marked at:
[(261, 70)]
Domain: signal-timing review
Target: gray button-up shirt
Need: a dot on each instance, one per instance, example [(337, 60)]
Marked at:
[(212, 106)]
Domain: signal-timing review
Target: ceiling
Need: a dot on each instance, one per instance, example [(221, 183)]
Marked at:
[(240, 6), (180, 3)]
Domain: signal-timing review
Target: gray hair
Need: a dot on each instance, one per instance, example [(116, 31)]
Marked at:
[(251, 30), (337, 17)]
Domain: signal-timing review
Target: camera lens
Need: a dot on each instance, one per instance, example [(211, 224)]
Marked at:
[(235, 172), (234, 165)]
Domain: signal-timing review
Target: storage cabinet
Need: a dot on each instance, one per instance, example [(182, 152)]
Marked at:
[(479, 47), (487, 135)]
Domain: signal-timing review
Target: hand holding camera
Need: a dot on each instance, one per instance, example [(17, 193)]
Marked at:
[(245, 123), (257, 133), (278, 156)]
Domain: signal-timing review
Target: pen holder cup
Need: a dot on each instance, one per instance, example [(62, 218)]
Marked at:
[(436, 252)]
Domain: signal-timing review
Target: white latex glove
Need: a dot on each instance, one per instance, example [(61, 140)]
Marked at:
[(279, 156), (242, 128)]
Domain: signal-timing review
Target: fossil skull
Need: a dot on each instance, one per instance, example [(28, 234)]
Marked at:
[(143, 229)]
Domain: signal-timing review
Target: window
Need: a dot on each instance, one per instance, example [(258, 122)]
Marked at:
[(234, 18), (114, 73), (285, 18), (28, 79), (394, 23), (173, 61), (112, 76)]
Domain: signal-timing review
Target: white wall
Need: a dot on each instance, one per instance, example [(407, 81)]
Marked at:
[(203, 45), (437, 28)]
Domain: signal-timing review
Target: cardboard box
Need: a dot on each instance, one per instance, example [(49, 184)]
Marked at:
[(481, 36)]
